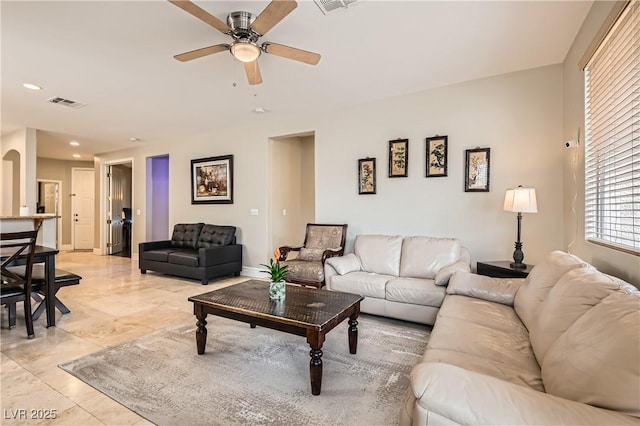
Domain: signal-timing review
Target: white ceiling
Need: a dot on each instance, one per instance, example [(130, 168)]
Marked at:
[(117, 57)]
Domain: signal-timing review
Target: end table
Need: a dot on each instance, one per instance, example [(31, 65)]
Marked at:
[(501, 269)]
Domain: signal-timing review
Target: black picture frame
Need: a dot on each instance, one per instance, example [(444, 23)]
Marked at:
[(398, 158), (367, 176), (477, 168), (212, 180), (436, 156)]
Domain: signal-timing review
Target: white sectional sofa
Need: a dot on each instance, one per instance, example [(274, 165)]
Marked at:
[(561, 347), (400, 277)]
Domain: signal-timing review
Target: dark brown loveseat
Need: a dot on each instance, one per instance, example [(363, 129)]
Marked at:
[(195, 250)]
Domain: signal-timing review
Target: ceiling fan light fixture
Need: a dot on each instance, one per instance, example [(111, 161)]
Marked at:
[(245, 51)]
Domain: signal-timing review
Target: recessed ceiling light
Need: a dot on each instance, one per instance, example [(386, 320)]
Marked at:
[(259, 110), (134, 139), (76, 155), (74, 143), (32, 86)]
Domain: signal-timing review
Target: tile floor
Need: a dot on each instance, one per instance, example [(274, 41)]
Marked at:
[(113, 303)]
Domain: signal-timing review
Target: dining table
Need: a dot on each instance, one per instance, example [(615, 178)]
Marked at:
[(46, 255)]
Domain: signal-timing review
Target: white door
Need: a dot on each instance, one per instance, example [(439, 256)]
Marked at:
[(114, 215), (82, 191)]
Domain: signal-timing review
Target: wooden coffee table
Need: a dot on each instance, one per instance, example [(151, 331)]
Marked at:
[(304, 312)]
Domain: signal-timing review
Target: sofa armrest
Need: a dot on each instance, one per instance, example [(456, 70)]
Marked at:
[(498, 290), (285, 250), (444, 274), (154, 245), (345, 264), (328, 253), (211, 256), (467, 397)]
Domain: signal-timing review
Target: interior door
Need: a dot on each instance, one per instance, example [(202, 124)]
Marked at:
[(114, 216), (83, 190)]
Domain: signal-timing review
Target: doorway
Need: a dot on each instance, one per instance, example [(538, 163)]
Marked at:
[(82, 205), (157, 217), (119, 215), (291, 189), (48, 201)]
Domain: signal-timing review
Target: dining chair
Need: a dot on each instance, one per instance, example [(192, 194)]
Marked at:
[(17, 246)]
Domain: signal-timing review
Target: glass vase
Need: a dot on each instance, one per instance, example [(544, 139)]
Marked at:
[(277, 290)]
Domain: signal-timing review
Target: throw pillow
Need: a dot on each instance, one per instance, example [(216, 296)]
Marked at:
[(310, 255)]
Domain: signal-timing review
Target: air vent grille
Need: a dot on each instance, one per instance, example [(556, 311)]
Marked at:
[(327, 6), (66, 102)]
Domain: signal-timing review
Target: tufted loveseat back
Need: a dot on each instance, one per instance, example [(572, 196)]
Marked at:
[(216, 235), (185, 235)]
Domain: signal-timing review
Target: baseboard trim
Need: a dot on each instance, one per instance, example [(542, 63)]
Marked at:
[(249, 271), (66, 247), (97, 251)]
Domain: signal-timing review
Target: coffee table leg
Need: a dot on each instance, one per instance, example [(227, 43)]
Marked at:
[(201, 333), (315, 365), (353, 334)]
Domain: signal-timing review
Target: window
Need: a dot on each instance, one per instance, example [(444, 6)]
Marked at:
[(612, 132)]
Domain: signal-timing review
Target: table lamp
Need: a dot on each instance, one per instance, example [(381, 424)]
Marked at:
[(520, 200)]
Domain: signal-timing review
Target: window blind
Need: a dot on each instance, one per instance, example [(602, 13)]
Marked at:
[(612, 133)]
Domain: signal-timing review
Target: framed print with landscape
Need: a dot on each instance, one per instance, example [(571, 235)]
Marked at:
[(398, 158), (367, 176), (476, 170), (212, 180), (436, 153)]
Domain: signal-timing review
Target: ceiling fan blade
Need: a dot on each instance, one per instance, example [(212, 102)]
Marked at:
[(199, 53), (253, 72), (272, 14), (202, 15), (291, 53)]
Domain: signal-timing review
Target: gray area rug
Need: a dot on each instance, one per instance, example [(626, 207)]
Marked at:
[(259, 376)]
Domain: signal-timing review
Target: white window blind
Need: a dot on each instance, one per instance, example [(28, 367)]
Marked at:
[(612, 133)]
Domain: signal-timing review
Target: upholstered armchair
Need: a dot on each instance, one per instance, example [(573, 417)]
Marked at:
[(320, 242)]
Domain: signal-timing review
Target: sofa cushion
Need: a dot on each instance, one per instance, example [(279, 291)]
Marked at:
[(216, 235), (365, 283), (159, 255), (423, 257), (576, 292), (539, 282), (379, 254), (484, 337), (417, 291), (184, 257), (597, 360), (185, 235)]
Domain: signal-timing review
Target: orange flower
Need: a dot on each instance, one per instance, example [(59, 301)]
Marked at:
[(276, 254)]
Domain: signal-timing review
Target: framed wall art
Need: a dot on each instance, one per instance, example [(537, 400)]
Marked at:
[(212, 180), (398, 158), (476, 170), (436, 154), (367, 176)]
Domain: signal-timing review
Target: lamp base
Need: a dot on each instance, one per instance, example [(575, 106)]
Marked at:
[(518, 256)]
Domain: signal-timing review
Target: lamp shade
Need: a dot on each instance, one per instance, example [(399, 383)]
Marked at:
[(521, 200)]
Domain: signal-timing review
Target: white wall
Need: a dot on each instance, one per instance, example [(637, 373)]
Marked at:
[(517, 115), (623, 265), (24, 142)]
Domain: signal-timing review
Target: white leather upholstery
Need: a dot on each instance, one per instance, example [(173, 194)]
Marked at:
[(423, 257), (379, 254), (577, 361), (372, 270), (539, 282), (418, 291)]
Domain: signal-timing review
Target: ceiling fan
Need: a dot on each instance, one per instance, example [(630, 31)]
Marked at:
[(245, 29)]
